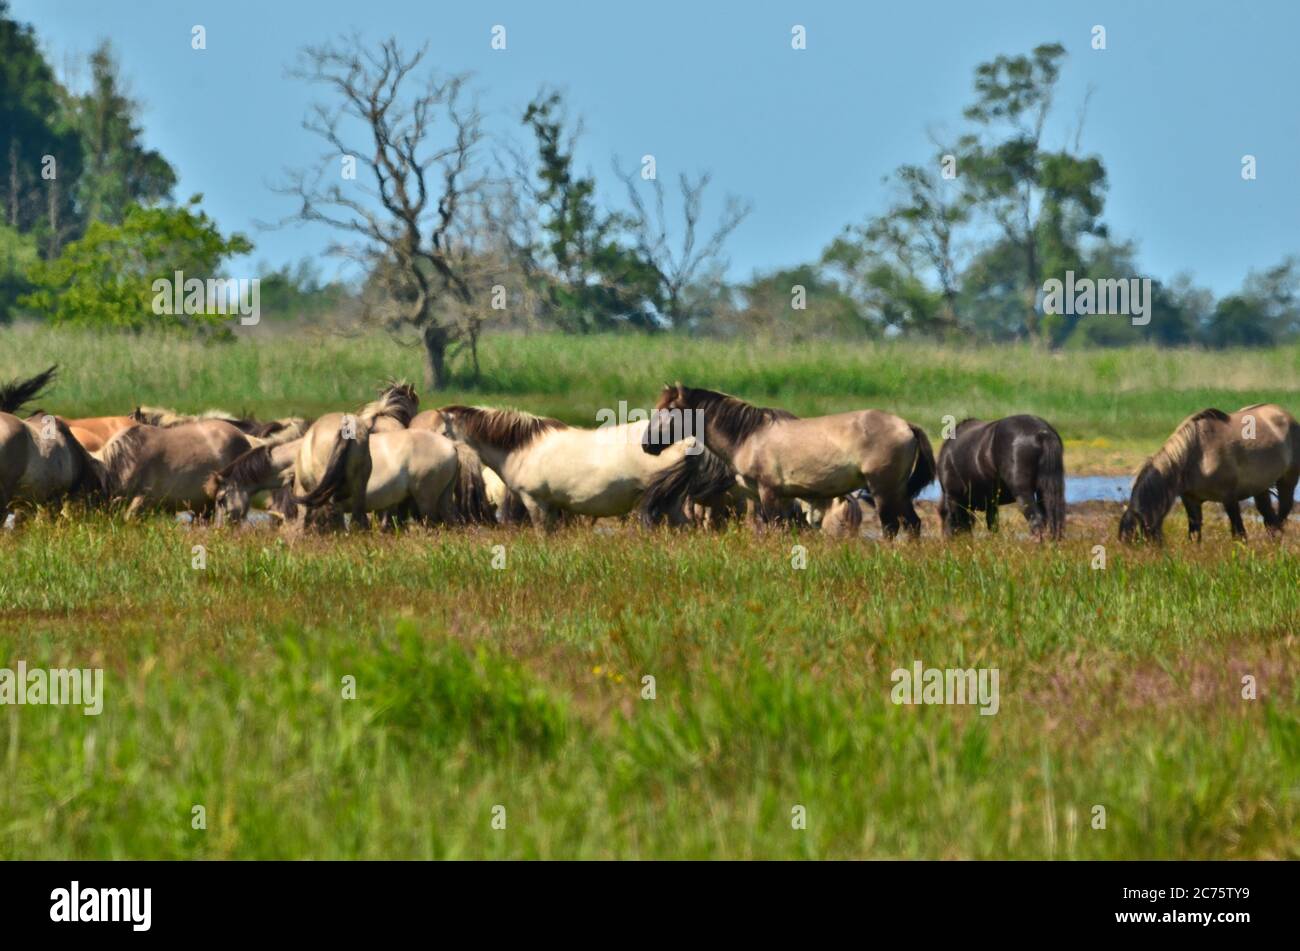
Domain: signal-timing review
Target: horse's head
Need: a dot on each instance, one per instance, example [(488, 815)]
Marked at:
[(668, 421), (231, 499), (1144, 515), (450, 421)]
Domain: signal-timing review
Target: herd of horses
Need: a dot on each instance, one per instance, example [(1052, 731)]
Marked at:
[(701, 457)]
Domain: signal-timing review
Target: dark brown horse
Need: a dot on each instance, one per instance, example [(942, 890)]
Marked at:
[(1214, 456), (990, 464)]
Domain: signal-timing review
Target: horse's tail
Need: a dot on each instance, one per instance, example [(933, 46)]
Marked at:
[(1051, 481), (923, 470), (282, 503), (701, 476), (336, 474), (14, 394), (469, 492)]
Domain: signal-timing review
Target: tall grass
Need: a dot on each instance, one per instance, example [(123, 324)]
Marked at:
[(524, 688)]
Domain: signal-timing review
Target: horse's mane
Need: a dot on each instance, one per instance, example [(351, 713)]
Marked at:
[(284, 430), (253, 467), (1156, 484), (731, 416), (167, 418), (1179, 447), (397, 401), (17, 392), (508, 429)]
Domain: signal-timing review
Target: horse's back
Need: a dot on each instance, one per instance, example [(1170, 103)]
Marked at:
[(1244, 453)]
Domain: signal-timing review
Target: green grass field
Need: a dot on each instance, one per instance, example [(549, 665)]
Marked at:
[(522, 686)]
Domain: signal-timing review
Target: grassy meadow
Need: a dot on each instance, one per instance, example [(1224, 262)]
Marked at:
[(522, 687), (1112, 407)]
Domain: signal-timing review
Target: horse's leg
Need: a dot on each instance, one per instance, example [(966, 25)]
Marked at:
[(1193, 507), (360, 517), (1035, 515), (1264, 505), (1233, 509), (991, 511), (1285, 497), (957, 518), (911, 520), (542, 516), (132, 510), (889, 512), (769, 505)]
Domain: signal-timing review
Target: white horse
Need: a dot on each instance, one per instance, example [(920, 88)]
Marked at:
[(556, 468)]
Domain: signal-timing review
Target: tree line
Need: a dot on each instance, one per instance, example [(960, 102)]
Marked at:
[(459, 231)]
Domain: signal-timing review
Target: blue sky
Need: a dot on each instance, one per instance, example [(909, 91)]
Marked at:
[(1182, 92)]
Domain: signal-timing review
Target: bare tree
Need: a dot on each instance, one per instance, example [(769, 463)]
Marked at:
[(678, 268), (402, 209)]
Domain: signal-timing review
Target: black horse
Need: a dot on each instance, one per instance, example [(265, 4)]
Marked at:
[(988, 464)]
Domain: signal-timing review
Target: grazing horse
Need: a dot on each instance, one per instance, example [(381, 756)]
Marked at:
[(333, 463), (1214, 456), (555, 468), (778, 458), (441, 481), (167, 467), (989, 464)]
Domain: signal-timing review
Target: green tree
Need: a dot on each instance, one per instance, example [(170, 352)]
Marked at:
[(1043, 201), (118, 170), (586, 279), (40, 151), (889, 264), (17, 255), (798, 304), (106, 277)]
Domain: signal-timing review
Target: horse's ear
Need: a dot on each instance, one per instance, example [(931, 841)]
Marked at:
[(681, 390)]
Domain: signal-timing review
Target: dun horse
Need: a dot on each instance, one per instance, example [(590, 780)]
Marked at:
[(1214, 456), (778, 458), (333, 463), (40, 459), (440, 480), (990, 464), (167, 468)]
